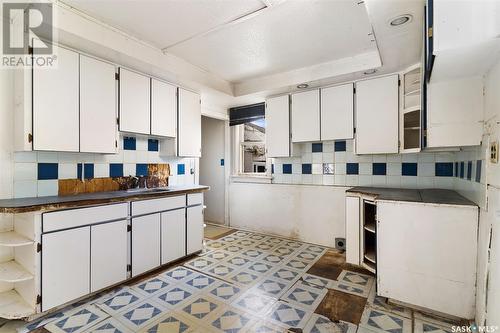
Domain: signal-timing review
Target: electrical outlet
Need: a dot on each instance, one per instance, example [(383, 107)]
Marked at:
[(494, 152)]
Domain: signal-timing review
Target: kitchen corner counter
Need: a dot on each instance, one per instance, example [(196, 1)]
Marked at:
[(23, 205), (433, 196)]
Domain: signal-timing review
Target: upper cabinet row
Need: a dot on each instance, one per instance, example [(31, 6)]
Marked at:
[(76, 107), (328, 114)]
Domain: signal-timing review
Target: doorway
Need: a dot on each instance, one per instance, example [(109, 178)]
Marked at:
[(212, 168)]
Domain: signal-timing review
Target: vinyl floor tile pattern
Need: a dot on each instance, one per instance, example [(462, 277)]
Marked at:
[(243, 282)]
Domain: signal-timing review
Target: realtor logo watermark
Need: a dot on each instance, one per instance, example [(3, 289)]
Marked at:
[(474, 329), (27, 34)]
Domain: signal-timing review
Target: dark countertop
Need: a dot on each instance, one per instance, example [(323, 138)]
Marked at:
[(434, 196), (22, 205)]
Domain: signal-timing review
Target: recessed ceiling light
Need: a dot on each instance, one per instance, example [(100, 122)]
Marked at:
[(303, 86), (370, 71), (400, 20)]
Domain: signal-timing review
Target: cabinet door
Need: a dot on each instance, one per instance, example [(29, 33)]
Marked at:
[(97, 106), (278, 126), (55, 104), (305, 116), (189, 135), (163, 109), (337, 113), (134, 102), (65, 266), (145, 243), (377, 112), (173, 235), (352, 228), (194, 229), (108, 254)]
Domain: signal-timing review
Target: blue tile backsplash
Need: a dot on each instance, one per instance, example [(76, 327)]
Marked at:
[(129, 143), (340, 146), (48, 171), (116, 170), (141, 169), (153, 145), (317, 147), (38, 173), (409, 169), (444, 169), (181, 169), (307, 168), (337, 164)]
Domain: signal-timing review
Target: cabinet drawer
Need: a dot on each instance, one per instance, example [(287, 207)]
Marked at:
[(72, 218), (157, 205), (195, 199)]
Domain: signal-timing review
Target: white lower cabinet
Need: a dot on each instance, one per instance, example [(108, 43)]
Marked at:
[(428, 258), (145, 243), (65, 266), (108, 254), (352, 219), (194, 229), (173, 235)]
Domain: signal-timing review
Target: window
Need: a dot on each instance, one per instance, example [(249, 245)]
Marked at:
[(248, 126), (253, 147)]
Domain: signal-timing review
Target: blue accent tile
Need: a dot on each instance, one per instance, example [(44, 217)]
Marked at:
[(444, 169), (153, 145), (352, 168), (287, 168), (88, 171), (181, 169), (409, 169), (478, 170), (340, 146), (222, 162), (48, 171), (317, 147), (272, 168), (141, 170), (79, 171), (307, 169), (116, 170), (129, 143), (379, 169), (456, 170), (469, 170), (462, 169)]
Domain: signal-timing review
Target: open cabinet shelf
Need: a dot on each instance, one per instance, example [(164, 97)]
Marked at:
[(369, 249), (12, 272), (13, 239), (410, 114), (12, 306)]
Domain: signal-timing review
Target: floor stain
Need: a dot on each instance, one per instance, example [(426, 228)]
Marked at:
[(341, 306)]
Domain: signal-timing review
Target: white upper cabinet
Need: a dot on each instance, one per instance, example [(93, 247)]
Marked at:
[(135, 100), (189, 131), (306, 116), (377, 114), (97, 106), (163, 109), (278, 126), (337, 113), (55, 104)]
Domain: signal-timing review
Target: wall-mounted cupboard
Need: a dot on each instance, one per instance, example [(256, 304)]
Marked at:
[(377, 116), (337, 112), (71, 107), (79, 105), (278, 126), (305, 114)]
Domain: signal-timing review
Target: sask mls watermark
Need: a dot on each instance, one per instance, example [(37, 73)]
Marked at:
[(27, 34)]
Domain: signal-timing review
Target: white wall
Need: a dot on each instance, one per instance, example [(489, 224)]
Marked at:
[(212, 173), (312, 214), (488, 280)]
